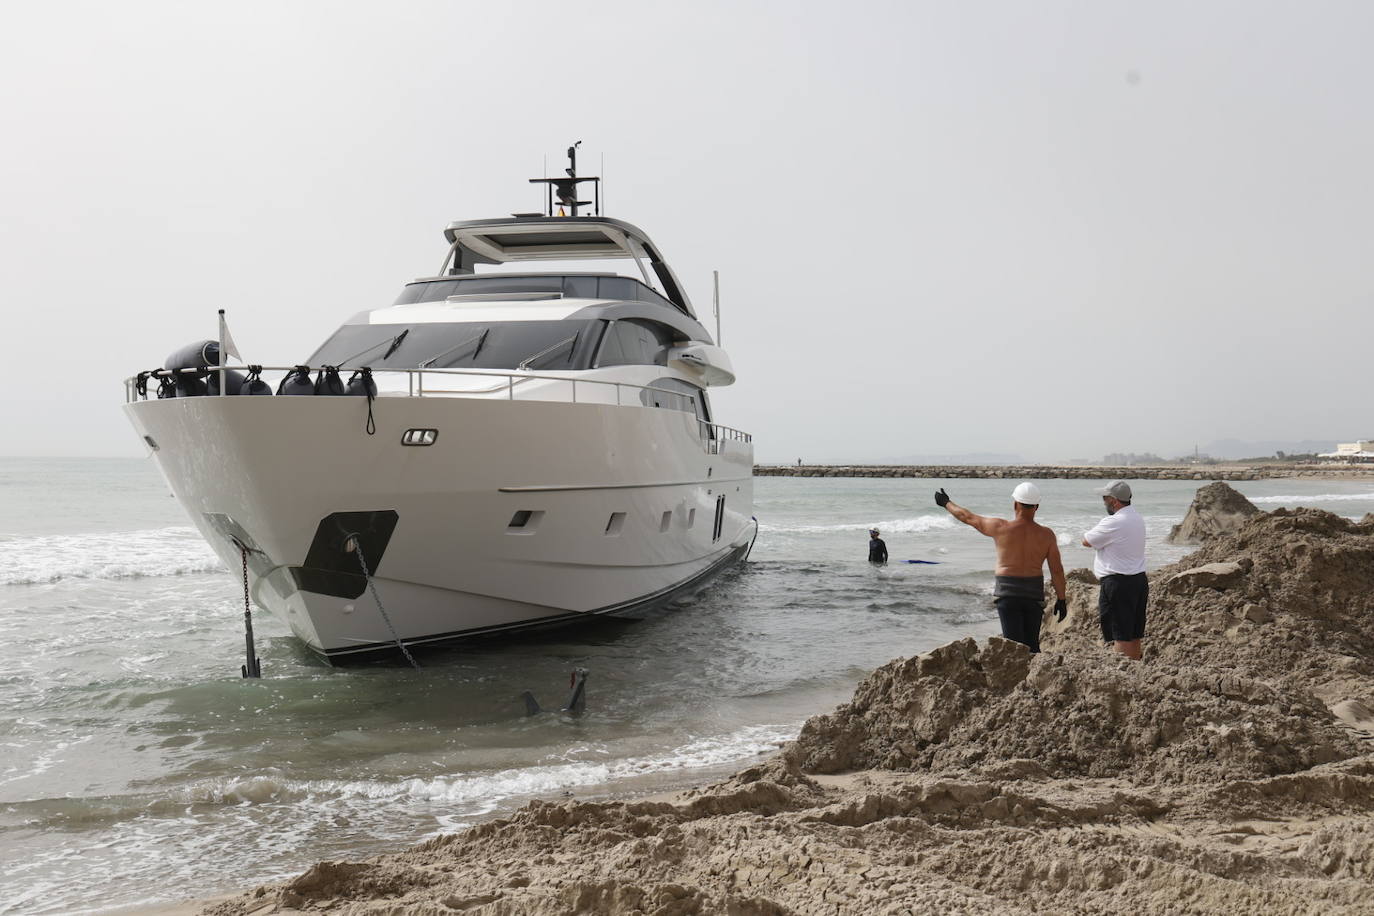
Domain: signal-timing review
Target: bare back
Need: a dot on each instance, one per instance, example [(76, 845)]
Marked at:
[(1022, 547)]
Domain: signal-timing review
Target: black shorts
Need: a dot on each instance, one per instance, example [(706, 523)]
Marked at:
[(1020, 619), (1121, 607)]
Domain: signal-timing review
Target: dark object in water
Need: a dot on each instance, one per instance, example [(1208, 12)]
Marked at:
[(577, 700)]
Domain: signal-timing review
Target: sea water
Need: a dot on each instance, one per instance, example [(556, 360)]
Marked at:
[(137, 767)]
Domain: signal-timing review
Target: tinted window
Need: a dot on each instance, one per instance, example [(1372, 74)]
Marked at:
[(612, 353), (464, 345), (618, 288), (633, 342), (673, 394), (439, 290), (592, 287), (580, 287), (411, 293)]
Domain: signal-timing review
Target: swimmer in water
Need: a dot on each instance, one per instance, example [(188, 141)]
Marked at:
[(877, 550), (1023, 548)]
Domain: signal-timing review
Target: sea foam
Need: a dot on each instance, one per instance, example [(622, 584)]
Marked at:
[(480, 793), (917, 525), (1315, 498), (116, 555)]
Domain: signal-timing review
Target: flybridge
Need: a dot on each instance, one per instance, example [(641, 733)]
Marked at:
[(558, 238), (545, 237)]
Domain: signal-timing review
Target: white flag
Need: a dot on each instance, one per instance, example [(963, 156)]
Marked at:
[(227, 347)]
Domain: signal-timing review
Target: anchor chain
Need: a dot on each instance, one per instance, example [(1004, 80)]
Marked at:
[(355, 543), (253, 667)]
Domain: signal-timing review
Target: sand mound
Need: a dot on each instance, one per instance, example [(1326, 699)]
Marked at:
[(981, 780), (962, 708), (1216, 509), (1286, 599)]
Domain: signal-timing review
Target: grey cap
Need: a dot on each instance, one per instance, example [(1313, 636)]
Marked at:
[(1120, 490), (873, 531)]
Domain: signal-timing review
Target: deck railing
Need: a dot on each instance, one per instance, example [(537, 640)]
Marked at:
[(512, 384)]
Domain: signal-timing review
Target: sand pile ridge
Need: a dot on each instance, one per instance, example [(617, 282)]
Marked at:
[(964, 709), (1230, 772), (1216, 509), (1288, 599)]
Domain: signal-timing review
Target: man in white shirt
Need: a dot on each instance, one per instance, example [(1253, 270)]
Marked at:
[(1119, 540)]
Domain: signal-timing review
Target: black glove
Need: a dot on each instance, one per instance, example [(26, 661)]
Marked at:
[(941, 498), (1061, 609)]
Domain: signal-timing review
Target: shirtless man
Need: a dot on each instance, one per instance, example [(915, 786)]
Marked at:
[(1023, 548)]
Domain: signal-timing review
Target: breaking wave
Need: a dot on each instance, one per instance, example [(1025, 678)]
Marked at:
[(474, 794), (118, 555), (915, 525), (1315, 498), (485, 791)]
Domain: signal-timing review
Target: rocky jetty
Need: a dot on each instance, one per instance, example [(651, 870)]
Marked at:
[(1066, 472), (1216, 509)]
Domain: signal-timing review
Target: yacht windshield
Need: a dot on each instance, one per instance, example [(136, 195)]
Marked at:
[(572, 286), (550, 345)]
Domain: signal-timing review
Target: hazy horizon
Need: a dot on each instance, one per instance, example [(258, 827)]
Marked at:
[(1055, 230)]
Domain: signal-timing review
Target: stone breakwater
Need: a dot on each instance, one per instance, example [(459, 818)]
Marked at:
[(1043, 472)]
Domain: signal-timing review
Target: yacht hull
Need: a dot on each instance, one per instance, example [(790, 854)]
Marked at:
[(522, 513)]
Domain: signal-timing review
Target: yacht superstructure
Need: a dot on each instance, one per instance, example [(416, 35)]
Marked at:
[(496, 451)]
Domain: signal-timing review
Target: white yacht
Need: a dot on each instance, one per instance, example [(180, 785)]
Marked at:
[(497, 451)]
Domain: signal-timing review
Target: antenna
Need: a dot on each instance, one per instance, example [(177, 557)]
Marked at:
[(598, 184), (565, 189), (715, 283)]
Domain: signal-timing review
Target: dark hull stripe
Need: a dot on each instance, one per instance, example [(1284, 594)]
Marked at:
[(639, 606)]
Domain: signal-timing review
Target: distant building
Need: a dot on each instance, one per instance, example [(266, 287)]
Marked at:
[(1362, 450)]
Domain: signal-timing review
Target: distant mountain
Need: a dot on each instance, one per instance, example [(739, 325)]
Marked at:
[(1232, 449)]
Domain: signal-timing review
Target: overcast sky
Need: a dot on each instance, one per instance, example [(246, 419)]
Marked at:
[(1049, 229)]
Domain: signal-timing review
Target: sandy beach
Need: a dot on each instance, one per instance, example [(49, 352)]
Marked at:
[(1232, 771)]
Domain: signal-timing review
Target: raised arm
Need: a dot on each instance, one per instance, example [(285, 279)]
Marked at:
[(981, 523)]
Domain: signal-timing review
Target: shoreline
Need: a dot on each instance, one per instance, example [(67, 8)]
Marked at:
[(1233, 771), (1201, 473)]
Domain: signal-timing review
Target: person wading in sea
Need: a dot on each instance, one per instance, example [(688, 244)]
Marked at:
[(877, 550), (1023, 549)]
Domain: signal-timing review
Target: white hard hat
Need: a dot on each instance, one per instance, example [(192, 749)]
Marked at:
[(1027, 494)]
